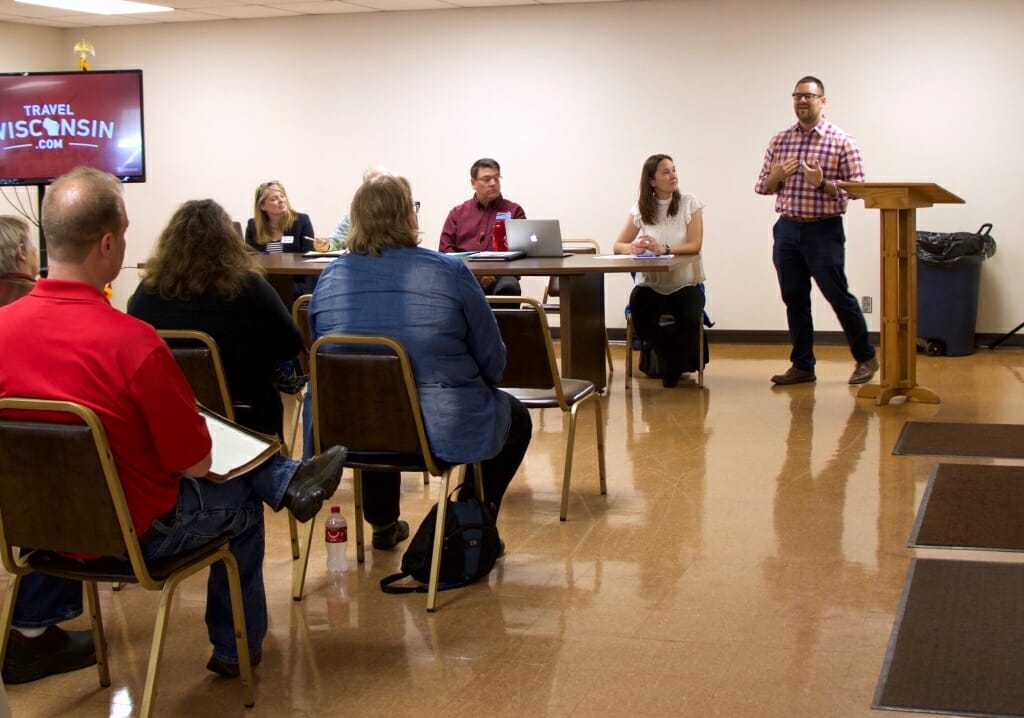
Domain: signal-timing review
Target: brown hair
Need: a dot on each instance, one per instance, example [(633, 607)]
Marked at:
[(648, 200), (260, 217), (380, 213), (78, 209), (198, 254)]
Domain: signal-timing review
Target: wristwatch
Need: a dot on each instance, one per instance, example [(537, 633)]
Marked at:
[(667, 250), (821, 187)]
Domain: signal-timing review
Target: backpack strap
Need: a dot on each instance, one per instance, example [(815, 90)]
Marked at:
[(386, 584)]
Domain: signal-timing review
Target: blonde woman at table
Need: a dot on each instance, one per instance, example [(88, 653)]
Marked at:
[(664, 221), (276, 227)]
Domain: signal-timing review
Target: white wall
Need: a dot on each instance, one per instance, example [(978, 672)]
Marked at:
[(571, 99)]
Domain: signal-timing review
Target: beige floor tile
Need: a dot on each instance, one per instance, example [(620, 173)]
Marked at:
[(748, 560)]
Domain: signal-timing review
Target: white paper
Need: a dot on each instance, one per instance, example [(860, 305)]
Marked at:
[(231, 448)]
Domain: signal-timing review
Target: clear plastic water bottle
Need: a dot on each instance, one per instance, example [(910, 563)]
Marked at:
[(336, 537)]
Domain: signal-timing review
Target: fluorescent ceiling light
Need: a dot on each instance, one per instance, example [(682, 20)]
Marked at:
[(99, 7)]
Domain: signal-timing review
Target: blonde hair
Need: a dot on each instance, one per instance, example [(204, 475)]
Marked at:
[(260, 217), (13, 234), (380, 214), (199, 254)]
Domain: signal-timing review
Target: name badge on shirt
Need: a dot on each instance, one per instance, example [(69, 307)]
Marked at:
[(287, 239)]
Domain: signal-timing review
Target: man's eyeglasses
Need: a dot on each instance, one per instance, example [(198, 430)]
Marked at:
[(805, 96), (488, 179)]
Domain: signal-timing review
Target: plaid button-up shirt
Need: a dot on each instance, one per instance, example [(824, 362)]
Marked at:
[(838, 155)]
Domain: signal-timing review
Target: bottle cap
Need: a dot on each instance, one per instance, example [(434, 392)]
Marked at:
[(335, 509)]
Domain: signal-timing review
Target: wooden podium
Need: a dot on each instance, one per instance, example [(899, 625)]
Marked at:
[(898, 202)]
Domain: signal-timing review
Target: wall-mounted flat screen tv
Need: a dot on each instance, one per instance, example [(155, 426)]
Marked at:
[(52, 122)]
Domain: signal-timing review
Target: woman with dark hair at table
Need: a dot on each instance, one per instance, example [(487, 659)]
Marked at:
[(665, 221), (201, 277), (433, 306)]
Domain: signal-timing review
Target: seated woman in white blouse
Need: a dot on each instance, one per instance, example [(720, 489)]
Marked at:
[(665, 221)]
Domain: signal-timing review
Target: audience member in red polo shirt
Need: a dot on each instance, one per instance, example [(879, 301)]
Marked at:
[(64, 341), (470, 225), (19, 259)]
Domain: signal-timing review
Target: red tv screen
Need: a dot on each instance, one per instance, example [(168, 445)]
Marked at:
[(52, 122)]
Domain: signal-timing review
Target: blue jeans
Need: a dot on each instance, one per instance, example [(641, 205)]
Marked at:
[(818, 250), (204, 510)]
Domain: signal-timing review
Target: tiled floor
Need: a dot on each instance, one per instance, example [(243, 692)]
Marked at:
[(747, 561)]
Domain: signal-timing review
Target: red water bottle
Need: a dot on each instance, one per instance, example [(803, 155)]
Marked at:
[(500, 240)]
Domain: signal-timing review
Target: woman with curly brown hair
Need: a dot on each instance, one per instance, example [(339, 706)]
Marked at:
[(200, 276)]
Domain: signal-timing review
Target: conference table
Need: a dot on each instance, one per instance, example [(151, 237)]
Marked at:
[(581, 279)]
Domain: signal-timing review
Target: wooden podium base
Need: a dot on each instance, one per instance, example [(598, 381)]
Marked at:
[(898, 202), (884, 394)]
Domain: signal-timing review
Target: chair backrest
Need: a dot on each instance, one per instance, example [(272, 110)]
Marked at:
[(570, 246), (59, 489), (530, 356), (300, 315), (199, 359), (365, 398)]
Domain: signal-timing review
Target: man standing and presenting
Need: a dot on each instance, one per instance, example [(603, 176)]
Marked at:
[(64, 341), (470, 225), (801, 167)]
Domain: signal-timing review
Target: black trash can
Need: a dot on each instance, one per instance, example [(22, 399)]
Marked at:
[(948, 283)]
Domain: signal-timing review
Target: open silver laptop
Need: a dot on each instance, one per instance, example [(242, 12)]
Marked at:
[(535, 237)]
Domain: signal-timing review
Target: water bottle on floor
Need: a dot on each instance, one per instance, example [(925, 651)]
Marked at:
[(336, 537)]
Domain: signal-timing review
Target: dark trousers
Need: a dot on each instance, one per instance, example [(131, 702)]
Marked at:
[(816, 250), (505, 286), (381, 489), (676, 343)]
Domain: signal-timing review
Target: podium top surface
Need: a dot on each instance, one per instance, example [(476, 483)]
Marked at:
[(900, 195)]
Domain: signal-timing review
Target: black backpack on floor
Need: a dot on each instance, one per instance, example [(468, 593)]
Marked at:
[(468, 552)]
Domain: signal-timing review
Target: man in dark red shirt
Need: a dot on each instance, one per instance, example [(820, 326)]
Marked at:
[(63, 340), (470, 225), (19, 259)]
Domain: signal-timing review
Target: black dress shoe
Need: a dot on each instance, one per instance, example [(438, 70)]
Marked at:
[(55, 651), (391, 536), (314, 482), (231, 670)]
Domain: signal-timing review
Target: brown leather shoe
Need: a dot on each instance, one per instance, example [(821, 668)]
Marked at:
[(864, 371), (794, 375)]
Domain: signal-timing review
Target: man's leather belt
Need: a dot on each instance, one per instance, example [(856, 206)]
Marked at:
[(151, 534), (807, 220)]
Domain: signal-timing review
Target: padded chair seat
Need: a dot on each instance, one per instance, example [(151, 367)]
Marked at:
[(389, 461), (573, 389), (107, 568)]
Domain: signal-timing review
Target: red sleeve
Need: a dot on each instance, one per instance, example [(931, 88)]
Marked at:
[(519, 213), (166, 401)]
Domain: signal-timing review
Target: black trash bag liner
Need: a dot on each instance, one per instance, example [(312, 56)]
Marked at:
[(956, 248)]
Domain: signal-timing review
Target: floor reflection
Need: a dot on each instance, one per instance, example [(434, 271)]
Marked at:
[(747, 561)]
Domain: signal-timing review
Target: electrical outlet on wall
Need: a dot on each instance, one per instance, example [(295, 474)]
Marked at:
[(865, 304)]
